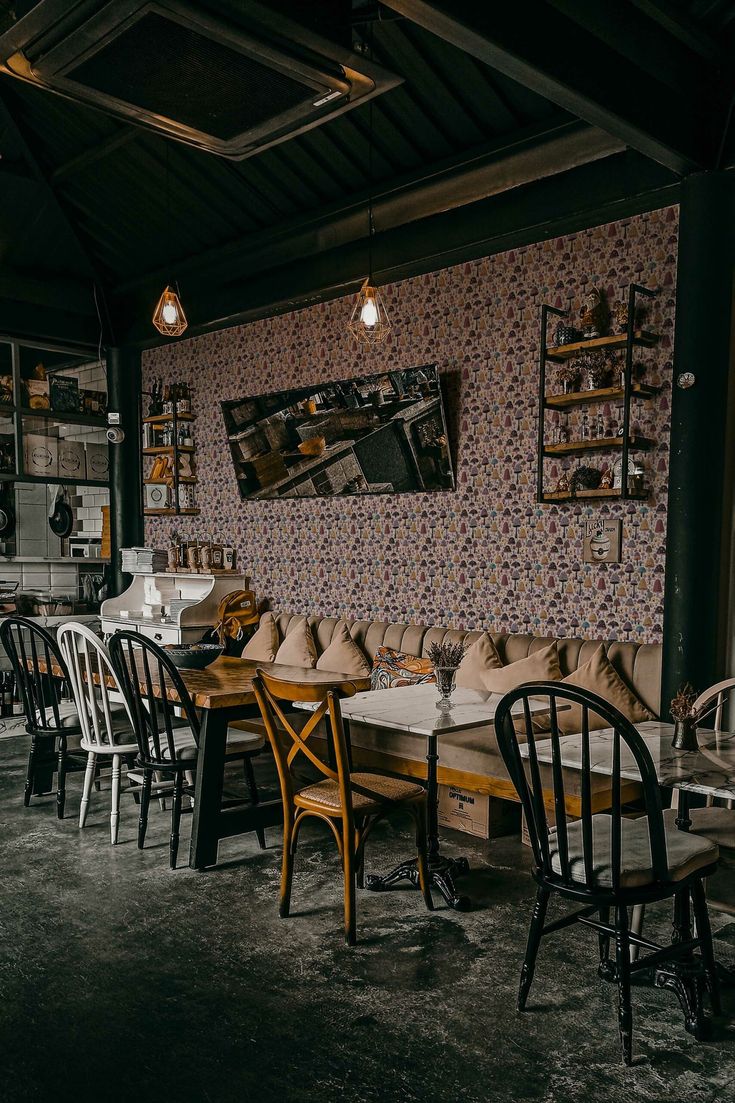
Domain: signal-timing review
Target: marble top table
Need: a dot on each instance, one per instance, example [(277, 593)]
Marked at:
[(413, 709), (709, 771)]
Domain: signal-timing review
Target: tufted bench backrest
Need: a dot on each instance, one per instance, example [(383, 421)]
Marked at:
[(639, 664)]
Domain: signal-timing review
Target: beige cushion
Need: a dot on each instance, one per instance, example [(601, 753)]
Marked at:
[(480, 658), (264, 643), (298, 648), (599, 676), (343, 655), (715, 824), (385, 788), (686, 852), (540, 666)]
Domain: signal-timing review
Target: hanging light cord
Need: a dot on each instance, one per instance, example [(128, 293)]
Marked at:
[(371, 223)]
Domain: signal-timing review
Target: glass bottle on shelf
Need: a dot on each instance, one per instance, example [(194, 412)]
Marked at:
[(584, 429), (600, 431)]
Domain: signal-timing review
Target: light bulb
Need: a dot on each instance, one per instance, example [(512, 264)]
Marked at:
[(170, 313), (369, 312)]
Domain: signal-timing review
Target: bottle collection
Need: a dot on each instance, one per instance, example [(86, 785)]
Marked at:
[(199, 556), (165, 399), (168, 437), (589, 426)]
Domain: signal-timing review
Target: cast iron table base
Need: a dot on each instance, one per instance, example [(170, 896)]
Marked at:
[(442, 871)]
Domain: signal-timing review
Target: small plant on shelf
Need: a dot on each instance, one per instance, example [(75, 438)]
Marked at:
[(585, 478), (568, 375)]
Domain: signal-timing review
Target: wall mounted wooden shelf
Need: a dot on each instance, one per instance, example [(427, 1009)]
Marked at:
[(163, 418), (566, 496), (170, 512), (597, 444), (174, 475), (641, 338), (168, 450), (601, 394), (624, 392)]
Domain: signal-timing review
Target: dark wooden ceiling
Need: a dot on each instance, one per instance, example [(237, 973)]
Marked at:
[(494, 96)]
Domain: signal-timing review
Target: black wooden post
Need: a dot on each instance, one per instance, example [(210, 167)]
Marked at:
[(700, 513), (126, 520)]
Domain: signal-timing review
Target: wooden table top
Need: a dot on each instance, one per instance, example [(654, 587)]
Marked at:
[(228, 682)]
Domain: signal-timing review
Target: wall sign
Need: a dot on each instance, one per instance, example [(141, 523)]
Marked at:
[(602, 541)]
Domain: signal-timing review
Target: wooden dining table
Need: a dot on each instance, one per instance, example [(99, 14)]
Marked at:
[(223, 693)]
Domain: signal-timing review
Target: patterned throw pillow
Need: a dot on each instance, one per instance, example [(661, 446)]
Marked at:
[(396, 668)]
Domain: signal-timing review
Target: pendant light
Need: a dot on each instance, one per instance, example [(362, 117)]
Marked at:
[(168, 317), (369, 322)]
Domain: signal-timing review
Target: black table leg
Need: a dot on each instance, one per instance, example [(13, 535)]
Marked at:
[(205, 833), (442, 871)]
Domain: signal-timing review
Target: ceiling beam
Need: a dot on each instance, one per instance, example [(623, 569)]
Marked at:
[(537, 46), (674, 21), (59, 206), (71, 295), (95, 153), (589, 195), (536, 153)]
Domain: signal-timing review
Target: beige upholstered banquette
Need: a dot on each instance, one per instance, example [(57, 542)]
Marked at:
[(471, 758)]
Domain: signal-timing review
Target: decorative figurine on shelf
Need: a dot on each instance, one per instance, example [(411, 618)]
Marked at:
[(607, 479), (595, 317), (620, 317), (564, 334), (562, 486), (685, 719), (585, 478), (567, 375)]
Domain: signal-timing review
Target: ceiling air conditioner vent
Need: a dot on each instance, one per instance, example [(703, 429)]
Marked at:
[(178, 68)]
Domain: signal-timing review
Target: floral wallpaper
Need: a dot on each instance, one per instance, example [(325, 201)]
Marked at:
[(486, 554)]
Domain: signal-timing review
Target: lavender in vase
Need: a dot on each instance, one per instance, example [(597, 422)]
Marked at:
[(446, 658)]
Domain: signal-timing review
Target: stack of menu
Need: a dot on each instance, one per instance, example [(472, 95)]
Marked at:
[(143, 560)]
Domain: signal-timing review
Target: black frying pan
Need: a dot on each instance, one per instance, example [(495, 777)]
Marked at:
[(7, 517), (61, 521)]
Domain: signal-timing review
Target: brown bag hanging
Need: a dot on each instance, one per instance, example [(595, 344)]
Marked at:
[(237, 611)]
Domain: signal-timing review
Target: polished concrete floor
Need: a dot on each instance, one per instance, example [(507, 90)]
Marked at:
[(123, 980)]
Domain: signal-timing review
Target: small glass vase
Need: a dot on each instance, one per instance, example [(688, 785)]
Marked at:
[(446, 677), (685, 736)]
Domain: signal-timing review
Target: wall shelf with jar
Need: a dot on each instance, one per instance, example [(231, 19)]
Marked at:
[(589, 407), (169, 448)]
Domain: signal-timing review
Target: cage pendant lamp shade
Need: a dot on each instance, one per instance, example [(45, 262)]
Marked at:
[(168, 317), (369, 321)]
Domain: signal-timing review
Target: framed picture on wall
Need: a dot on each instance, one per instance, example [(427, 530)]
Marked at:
[(374, 434), (602, 541)]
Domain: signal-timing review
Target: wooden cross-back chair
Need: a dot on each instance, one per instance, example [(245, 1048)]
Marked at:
[(107, 728), (51, 722), (349, 803), (604, 861), (168, 732)]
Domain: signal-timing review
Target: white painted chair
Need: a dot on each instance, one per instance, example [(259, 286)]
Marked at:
[(107, 730)]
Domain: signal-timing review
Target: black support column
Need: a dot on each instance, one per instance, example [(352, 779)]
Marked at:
[(126, 520), (698, 553)]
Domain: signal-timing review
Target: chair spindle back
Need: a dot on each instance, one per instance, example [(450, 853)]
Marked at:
[(149, 675), (94, 682), (26, 644), (574, 750)]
